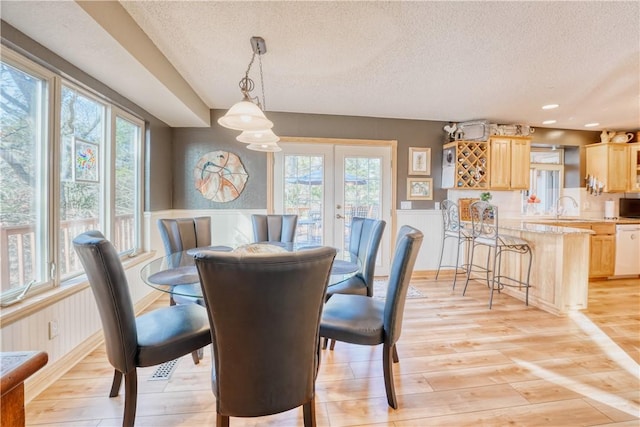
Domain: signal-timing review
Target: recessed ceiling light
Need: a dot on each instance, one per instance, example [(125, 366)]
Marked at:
[(550, 106), (591, 125), (548, 122)]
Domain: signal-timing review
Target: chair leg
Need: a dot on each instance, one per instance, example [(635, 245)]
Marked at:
[(387, 357), (496, 268), (528, 276), (440, 260), (466, 283), (455, 274), (115, 386), (325, 341), (333, 345), (222, 420), (396, 359), (195, 355), (309, 413), (130, 398), (487, 264)]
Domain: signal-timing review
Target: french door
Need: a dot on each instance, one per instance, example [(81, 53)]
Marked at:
[(326, 185)]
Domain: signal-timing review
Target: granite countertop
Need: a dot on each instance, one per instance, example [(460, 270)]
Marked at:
[(535, 227), (544, 225)]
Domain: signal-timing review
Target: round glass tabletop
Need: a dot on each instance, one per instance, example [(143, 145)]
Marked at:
[(177, 273)]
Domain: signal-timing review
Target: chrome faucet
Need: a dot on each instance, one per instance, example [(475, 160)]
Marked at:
[(561, 211)]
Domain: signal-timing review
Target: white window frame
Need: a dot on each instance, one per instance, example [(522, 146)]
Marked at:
[(52, 173)]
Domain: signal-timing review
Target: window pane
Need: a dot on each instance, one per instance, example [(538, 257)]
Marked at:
[(126, 173), (303, 195), (82, 125), (362, 190), (23, 199)]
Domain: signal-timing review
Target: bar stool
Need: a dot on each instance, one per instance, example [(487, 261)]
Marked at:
[(453, 230), (484, 222)]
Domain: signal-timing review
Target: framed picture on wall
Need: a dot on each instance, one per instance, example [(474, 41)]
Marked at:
[(419, 189), (419, 161)]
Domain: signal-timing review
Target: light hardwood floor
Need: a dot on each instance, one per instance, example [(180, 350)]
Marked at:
[(460, 364)]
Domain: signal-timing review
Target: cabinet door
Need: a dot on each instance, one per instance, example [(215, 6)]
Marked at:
[(618, 165), (602, 256), (500, 163), (634, 168), (520, 163)]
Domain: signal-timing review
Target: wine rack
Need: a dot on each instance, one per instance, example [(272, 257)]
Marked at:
[(471, 164)]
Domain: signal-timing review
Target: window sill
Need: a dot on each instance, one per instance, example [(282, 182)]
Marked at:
[(39, 301)]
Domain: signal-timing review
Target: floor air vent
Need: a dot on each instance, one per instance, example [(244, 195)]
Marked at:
[(163, 372)]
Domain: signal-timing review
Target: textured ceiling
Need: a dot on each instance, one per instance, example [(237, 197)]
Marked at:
[(448, 61)]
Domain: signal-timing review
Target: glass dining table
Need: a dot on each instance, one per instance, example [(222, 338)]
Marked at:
[(177, 273)]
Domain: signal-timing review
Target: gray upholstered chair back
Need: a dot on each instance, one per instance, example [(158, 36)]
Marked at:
[(180, 234), (274, 228), (364, 241), (264, 312), (111, 291), (408, 244)]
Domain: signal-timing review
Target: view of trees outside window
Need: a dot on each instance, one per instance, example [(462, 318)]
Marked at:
[(127, 141), (82, 130), (303, 196), (22, 177), (304, 186), (362, 190), (98, 186)]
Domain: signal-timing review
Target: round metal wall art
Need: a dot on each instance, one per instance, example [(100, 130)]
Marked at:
[(220, 176)]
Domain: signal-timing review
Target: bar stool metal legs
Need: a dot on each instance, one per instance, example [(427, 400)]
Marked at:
[(453, 230), (484, 221)]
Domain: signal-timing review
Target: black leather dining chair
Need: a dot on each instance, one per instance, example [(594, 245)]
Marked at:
[(180, 234), (274, 228), (264, 311), (150, 339), (358, 319), (364, 243)]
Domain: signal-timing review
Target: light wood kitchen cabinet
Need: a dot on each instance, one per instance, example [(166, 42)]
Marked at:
[(510, 161), (602, 245), (609, 164), (634, 168)]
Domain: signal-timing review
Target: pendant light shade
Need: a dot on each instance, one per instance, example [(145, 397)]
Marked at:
[(245, 115), (265, 136), (266, 147)]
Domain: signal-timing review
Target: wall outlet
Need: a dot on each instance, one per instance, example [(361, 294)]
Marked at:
[(437, 206), (53, 329), (405, 205)]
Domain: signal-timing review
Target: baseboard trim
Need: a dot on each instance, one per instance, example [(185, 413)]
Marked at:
[(52, 372)]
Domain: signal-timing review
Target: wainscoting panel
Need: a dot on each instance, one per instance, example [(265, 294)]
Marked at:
[(430, 223)]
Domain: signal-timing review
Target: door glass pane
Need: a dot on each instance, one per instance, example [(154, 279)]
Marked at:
[(127, 159), (82, 124), (362, 190), (303, 195), (23, 199)]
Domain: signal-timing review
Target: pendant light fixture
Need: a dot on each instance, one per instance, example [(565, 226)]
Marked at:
[(247, 115)]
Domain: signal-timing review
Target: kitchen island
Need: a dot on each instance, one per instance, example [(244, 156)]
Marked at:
[(560, 267)]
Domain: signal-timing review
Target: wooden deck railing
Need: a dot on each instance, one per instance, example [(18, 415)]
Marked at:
[(18, 263)]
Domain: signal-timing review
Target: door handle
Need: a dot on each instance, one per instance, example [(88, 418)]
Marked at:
[(338, 216)]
